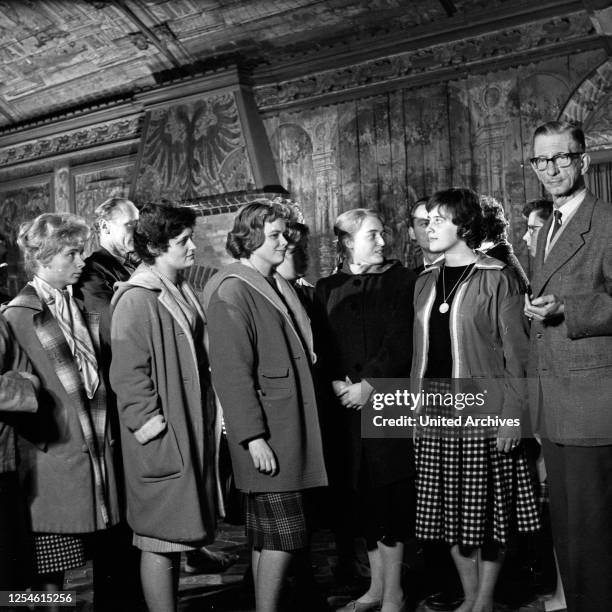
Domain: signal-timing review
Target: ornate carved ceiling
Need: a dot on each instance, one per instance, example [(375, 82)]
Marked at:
[(60, 55)]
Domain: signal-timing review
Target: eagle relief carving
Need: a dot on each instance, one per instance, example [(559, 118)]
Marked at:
[(193, 150)]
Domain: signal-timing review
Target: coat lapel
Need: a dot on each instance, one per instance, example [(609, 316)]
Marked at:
[(568, 244)]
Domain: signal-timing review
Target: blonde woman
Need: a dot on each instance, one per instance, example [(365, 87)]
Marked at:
[(67, 452), (366, 307)]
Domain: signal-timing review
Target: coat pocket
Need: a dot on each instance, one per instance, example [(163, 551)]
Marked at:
[(275, 383), (161, 457)]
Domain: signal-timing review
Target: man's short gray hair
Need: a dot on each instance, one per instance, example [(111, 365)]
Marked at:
[(104, 211)]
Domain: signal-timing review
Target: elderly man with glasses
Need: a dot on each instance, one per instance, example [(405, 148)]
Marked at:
[(571, 364)]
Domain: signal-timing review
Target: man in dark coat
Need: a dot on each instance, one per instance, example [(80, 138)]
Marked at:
[(571, 365), (115, 221)]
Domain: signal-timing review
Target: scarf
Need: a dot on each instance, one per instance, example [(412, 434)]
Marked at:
[(70, 320)]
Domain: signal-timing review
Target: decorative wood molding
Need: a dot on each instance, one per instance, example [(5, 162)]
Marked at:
[(438, 62), (112, 131)]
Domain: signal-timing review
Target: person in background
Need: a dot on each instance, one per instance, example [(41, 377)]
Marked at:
[(114, 224), (66, 449), (472, 489), (18, 390), (536, 213), (112, 262), (367, 305), (495, 243), (169, 429), (418, 232), (570, 367), (295, 265), (261, 353)]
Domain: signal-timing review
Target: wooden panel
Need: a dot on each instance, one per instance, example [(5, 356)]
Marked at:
[(435, 140), (349, 195), (368, 170), (20, 201), (94, 183), (460, 133)]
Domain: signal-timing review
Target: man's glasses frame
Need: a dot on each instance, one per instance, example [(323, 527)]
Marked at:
[(560, 160)]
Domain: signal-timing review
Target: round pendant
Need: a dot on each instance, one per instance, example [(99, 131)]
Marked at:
[(443, 308)]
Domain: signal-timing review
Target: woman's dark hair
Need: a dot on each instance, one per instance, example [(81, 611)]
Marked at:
[(248, 235), (157, 224), (464, 207), (297, 234), (495, 222)]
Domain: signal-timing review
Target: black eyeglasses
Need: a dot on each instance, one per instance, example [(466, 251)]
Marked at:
[(560, 160)]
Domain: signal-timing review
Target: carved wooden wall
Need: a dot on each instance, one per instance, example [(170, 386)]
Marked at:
[(381, 150), (20, 201), (385, 151)]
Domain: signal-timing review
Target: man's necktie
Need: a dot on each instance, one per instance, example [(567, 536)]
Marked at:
[(556, 223)]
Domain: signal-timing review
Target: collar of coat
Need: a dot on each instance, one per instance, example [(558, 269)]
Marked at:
[(379, 269), (256, 280), (483, 262), (571, 240), (146, 278)]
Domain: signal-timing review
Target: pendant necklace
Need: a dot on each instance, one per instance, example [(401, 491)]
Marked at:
[(444, 307)]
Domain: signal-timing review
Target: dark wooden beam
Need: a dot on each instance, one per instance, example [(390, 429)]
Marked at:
[(449, 7)]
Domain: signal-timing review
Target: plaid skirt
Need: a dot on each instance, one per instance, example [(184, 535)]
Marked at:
[(469, 493), (276, 521), (56, 552)]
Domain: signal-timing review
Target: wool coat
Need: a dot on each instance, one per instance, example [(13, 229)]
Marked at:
[(59, 450), (159, 368), (571, 355), (17, 394), (261, 369), (364, 330)]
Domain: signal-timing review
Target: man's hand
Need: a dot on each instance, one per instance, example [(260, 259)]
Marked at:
[(263, 456), (544, 307)]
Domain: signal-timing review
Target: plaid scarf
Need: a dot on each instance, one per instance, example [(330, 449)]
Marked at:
[(69, 318)]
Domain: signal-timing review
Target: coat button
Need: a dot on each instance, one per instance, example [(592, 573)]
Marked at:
[(539, 335), (84, 448)]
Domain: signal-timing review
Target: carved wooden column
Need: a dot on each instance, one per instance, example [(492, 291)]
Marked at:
[(61, 188)]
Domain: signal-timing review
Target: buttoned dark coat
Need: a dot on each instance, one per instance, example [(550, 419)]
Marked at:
[(56, 458), (364, 330)]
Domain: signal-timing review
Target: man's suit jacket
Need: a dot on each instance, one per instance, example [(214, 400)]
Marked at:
[(571, 355)]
